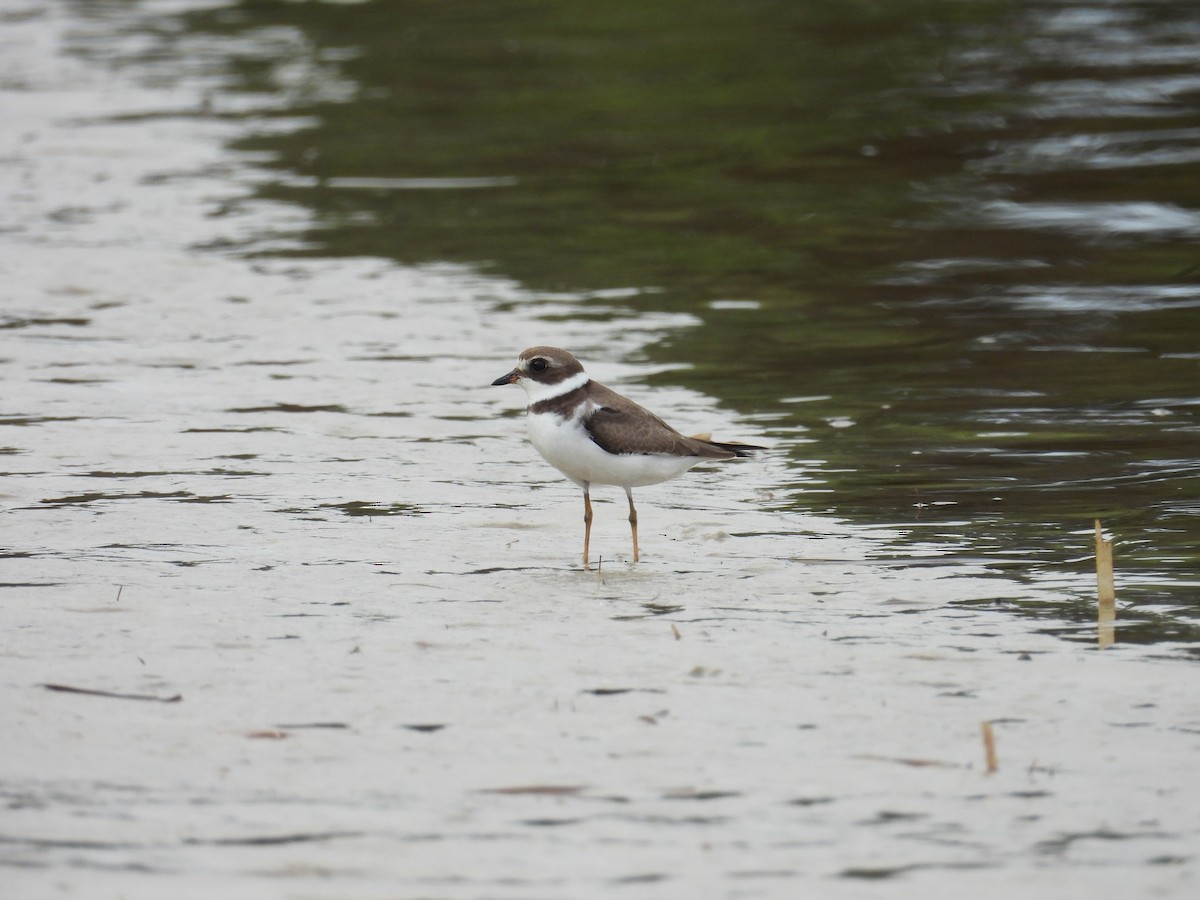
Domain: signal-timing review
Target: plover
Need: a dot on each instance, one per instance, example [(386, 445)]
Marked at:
[(593, 435)]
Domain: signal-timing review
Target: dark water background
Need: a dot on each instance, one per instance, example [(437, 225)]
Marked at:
[(945, 253)]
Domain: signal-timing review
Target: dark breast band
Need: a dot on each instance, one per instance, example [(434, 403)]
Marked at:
[(562, 405)]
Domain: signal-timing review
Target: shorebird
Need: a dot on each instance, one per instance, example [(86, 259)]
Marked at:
[(593, 435)]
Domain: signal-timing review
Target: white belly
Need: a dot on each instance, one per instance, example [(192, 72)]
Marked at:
[(568, 447)]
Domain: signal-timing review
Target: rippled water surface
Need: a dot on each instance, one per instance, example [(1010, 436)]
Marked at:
[(945, 253), (259, 264)]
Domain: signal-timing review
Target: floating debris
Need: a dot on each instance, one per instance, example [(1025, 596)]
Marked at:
[(69, 689)]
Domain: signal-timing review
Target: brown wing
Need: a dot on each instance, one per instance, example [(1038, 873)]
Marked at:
[(619, 425)]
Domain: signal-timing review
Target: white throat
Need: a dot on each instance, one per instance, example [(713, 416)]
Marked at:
[(537, 392)]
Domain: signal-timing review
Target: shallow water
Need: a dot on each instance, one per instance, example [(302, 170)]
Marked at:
[(258, 470), (943, 254)]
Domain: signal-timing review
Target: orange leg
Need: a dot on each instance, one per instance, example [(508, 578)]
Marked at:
[(632, 522), (587, 525)]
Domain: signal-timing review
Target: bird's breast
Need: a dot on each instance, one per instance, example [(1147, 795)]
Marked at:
[(566, 445)]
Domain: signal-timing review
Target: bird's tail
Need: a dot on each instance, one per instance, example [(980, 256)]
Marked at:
[(737, 448)]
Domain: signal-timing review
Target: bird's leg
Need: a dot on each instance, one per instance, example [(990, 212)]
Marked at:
[(587, 524), (632, 522)]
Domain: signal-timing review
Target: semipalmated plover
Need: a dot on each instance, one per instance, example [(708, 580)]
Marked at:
[(593, 435)]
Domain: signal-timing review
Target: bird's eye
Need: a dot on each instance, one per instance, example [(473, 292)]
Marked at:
[(538, 365)]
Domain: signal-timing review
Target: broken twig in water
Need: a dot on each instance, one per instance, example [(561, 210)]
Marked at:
[(989, 748), (68, 689), (1106, 617)]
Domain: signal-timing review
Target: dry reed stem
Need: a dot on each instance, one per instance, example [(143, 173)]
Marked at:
[(989, 748), (1106, 589)]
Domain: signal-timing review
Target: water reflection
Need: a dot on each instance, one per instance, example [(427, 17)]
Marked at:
[(1115, 150), (1094, 220)]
